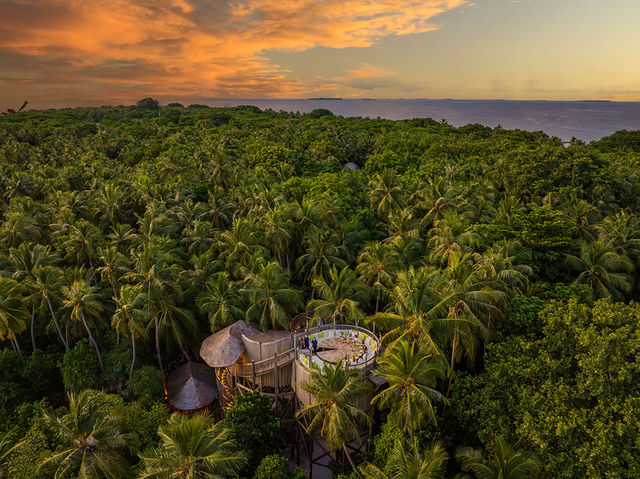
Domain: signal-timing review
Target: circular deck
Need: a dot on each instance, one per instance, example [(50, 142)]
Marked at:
[(350, 345)]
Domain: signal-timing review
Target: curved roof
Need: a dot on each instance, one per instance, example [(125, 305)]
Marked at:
[(351, 166), (191, 386), (222, 349)]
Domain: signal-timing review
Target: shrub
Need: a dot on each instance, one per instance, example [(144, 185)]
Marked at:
[(80, 368), (277, 467)]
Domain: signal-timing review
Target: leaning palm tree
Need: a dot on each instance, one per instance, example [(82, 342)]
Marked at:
[(91, 442), (83, 301), (47, 283), (271, 299), (599, 266), (505, 463), (130, 317), (340, 297), (13, 314), (335, 392), (193, 447), (430, 463), (412, 373)]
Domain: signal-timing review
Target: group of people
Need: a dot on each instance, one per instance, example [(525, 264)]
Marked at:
[(358, 346)]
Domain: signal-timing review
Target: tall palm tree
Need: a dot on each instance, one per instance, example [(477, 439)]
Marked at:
[(18, 228), (221, 301), (193, 447), (386, 195), (334, 410), (505, 463), (13, 314), (83, 301), (130, 317), (377, 266), (277, 234), (419, 309), (599, 266), (321, 254), (340, 298), (429, 463), (24, 260), (92, 443), (47, 281), (449, 234), (81, 241), (271, 299), (412, 373), (114, 266)]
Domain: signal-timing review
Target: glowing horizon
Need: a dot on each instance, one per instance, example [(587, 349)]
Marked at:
[(73, 53)]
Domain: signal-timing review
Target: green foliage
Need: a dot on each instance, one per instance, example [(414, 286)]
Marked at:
[(145, 385), (570, 397), (277, 467), (148, 104), (252, 426), (79, 368)]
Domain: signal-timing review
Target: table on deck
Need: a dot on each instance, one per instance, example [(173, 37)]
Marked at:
[(334, 350)]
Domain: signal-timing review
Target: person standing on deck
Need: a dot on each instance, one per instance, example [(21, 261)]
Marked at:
[(314, 343)]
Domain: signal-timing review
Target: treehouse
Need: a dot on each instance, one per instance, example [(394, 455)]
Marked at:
[(246, 359)]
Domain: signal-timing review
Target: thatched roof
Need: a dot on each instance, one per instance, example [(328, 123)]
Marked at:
[(222, 349), (192, 386), (351, 166)]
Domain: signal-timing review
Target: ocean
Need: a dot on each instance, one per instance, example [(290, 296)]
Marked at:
[(585, 120)]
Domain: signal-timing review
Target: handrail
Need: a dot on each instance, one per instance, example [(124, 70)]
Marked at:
[(366, 366)]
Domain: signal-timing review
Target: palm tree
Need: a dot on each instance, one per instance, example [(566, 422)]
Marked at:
[(92, 443), (505, 463), (339, 299), (19, 228), (336, 391), (47, 281), (429, 463), (386, 195), (24, 260), (220, 301), (321, 254), (193, 447), (599, 266), (13, 315), (271, 299), (7, 446), (114, 266), (80, 242), (377, 265), (83, 300), (419, 309), (448, 235), (130, 317), (277, 234), (412, 373)]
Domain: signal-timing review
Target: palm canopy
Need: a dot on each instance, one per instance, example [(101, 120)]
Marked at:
[(193, 447), (412, 374), (92, 444), (505, 463), (336, 391), (13, 315), (271, 299), (599, 266), (377, 267), (429, 463), (221, 301), (339, 298), (420, 304)]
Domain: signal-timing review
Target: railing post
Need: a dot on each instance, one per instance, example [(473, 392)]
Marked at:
[(253, 374), (277, 381)]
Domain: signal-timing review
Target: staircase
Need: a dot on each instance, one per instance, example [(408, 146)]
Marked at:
[(228, 389)]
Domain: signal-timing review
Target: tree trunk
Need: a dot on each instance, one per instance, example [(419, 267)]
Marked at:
[(377, 302), (92, 341), (133, 354), (16, 348), (452, 365), (33, 320), (353, 466), (55, 321), (157, 338)]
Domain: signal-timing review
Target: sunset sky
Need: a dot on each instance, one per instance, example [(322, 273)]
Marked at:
[(87, 52)]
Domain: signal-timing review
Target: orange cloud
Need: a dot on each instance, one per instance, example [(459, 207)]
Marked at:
[(118, 50)]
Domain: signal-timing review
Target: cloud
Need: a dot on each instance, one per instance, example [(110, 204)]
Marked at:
[(117, 50)]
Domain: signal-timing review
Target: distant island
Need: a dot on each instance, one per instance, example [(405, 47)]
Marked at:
[(323, 98)]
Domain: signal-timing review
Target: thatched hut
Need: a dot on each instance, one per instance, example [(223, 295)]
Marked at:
[(246, 359), (191, 387)]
